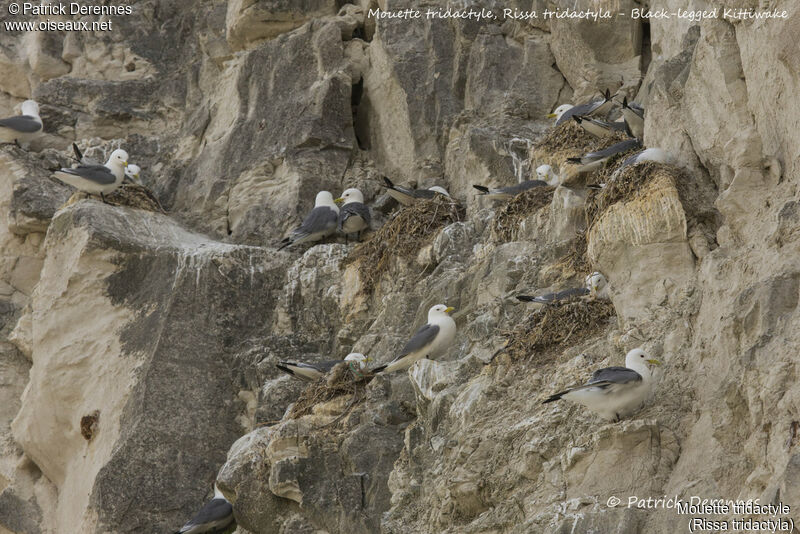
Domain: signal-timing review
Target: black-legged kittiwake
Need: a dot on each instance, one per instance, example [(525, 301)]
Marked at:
[(97, 179), (596, 108), (595, 283), (215, 517), (614, 392), (131, 171), (319, 223), (594, 160), (433, 339), (598, 127), (407, 196), (354, 215), (650, 154), (545, 176), (633, 114), (22, 129), (316, 370)]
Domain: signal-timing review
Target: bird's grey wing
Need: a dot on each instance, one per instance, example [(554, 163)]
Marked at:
[(99, 174), (622, 146), (216, 512), (524, 186), (572, 292), (322, 367), (320, 219), (423, 193), (423, 337), (582, 109), (614, 375), (630, 160), (21, 124), (354, 208)]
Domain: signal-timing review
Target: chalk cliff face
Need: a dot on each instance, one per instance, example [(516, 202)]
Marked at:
[(137, 348)]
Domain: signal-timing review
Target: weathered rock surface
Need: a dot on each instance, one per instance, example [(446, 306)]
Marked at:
[(137, 349)]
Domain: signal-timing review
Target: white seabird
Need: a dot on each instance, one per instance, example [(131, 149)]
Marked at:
[(97, 179), (430, 341), (22, 129), (594, 284), (600, 128), (407, 196), (315, 371), (614, 392), (594, 160), (354, 215), (633, 114), (319, 223), (131, 171), (651, 154), (545, 176), (215, 516), (597, 108)]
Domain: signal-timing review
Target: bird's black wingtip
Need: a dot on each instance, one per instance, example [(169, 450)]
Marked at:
[(574, 160), (526, 298), (376, 370), (387, 182), (484, 190), (577, 119), (553, 398), (78, 153), (282, 367)]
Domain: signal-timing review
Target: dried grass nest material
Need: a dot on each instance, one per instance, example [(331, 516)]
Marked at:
[(412, 228), (506, 221), (555, 325), (340, 381), (569, 140), (630, 181), (134, 196)]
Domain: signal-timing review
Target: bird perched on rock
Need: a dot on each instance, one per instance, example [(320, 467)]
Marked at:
[(22, 129), (407, 196), (633, 114), (433, 339), (131, 171), (595, 108), (215, 517), (614, 392), (97, 179), (315, 371), (319, 223), (354, 216), (594, 160)]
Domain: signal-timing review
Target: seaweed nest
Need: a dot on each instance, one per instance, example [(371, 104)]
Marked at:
[(629, 182), (568, 140), (551, 328), (135, 196), (409, 231), (340, 381), (506, 223)]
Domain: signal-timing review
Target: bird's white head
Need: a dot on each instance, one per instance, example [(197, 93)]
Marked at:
[(351, 195), (438, 311), (118, 160), (560, 110), (547, 174), (596, 282), (132, 171), (655, 154), (441, 190), (324, 198), (358, 357), (639, 361), (30, 107)]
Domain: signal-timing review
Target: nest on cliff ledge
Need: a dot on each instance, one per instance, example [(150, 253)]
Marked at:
[(410, 230), (135, 196), (340, 381), (569, 140), (506, 222), (630, 181), (556, 325)]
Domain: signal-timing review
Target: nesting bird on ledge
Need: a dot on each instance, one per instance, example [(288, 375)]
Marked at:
[(22, 129), (430, 341)]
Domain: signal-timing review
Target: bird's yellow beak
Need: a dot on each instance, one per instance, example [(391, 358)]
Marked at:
[(125, 163), (654, 362), (338, 200), (368, 360), (450, 309), (551, 116)]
